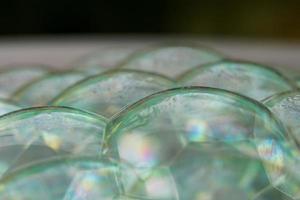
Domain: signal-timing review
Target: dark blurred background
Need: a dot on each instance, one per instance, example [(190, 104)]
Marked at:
[(279, 19)]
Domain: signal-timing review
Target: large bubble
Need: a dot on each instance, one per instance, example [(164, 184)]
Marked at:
[(211, 142), (286, 106), (41, 133)]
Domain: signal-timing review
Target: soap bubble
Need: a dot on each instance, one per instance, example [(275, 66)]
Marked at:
[(104, 59), (40, 91), (171, 60), (36, 134), (286, 106), (252, 80), (64, 178), (11, 79), (212, 142), (108, 93), (7, 106)]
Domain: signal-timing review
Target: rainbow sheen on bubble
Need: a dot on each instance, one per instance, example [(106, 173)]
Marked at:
[(129, 133), (64, 178), (35, 134), (162, 129)]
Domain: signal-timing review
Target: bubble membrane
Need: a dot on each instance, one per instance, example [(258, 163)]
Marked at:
[(7, 106), (104, 59), (35, 134), (11, 79), (65, 178), (39, 92), (171, 60), (286, 106), (108, 93), (203, 129), (249, 79)]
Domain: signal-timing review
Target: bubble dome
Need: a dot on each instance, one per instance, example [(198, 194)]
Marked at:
[(34, 134), (201, 119), (108, 93), (250, 79), (174, 121)]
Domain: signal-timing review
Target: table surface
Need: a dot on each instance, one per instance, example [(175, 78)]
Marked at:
[(61, 51)]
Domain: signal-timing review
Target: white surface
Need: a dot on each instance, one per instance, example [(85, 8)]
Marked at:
[(61, 51)]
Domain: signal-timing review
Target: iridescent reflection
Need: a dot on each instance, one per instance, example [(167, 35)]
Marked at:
[(214, 144), (36, 134)]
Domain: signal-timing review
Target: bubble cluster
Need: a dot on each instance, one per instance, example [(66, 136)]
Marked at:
[(169, 122)]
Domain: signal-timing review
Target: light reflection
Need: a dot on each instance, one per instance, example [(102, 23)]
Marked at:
[(136, 148), (51, 140), (271, 152), (196, 130), (161, 185), (91, 184)]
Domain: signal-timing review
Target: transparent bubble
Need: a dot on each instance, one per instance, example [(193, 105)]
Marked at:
[(104, 59), (6, 106), (252, 80), (64, 178), (214, 144), (12, 79), (40, 91), (207, 171), (41, 133), (70, 178), (108, 93), (171, 60), (286, 106)]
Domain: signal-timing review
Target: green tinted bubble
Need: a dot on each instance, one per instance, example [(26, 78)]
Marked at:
[(103, 59), (107, 93), (6, 107), (252, 80), (65, 179), (36, 134), (156, 130), (41, 91), (171, 60), (286, 106), (207, 171), (14, 78)]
